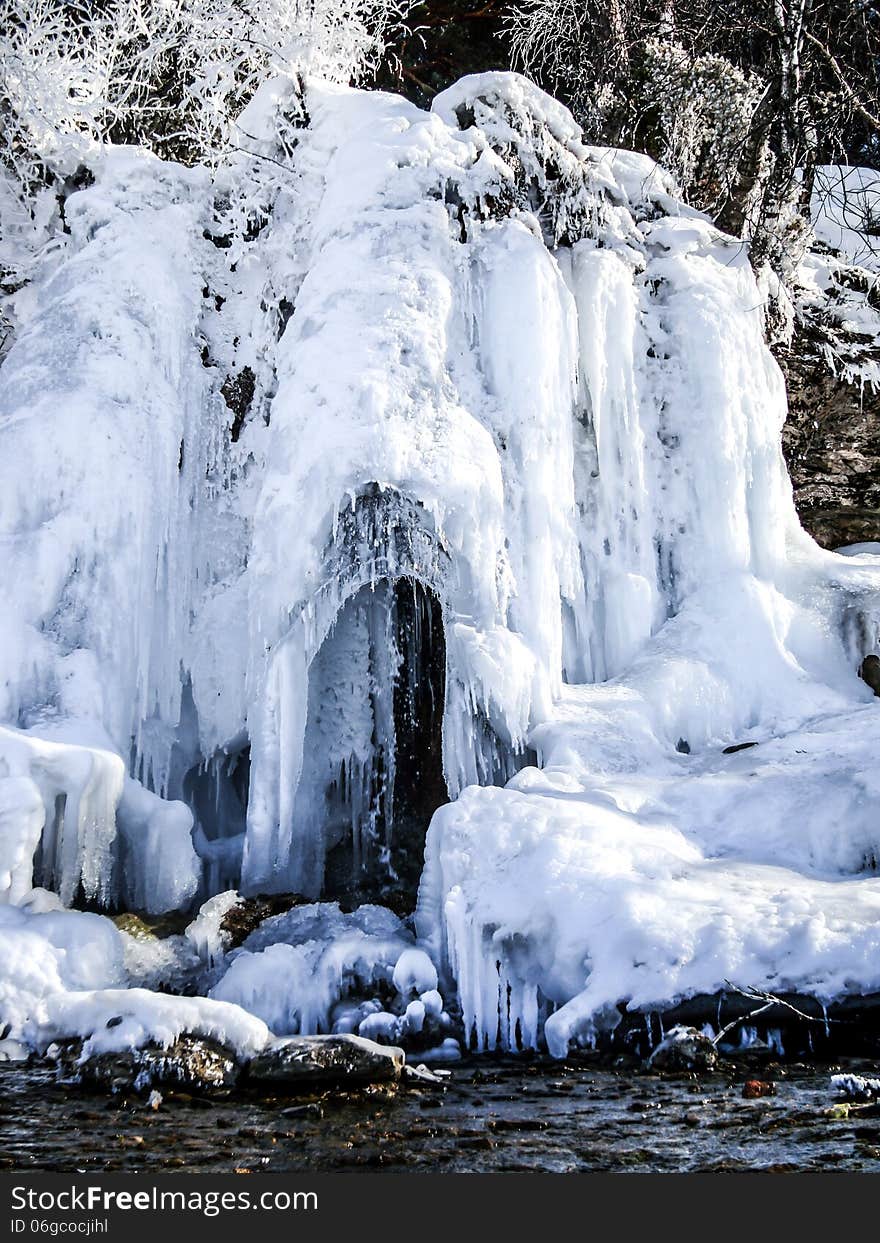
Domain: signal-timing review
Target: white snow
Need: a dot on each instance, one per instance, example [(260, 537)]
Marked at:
[(52, 955), (414, 973), (856, 1087), (22, 814), (97, 830), (846, 211), (872, 547), (159, 867), (64, 799), (837, 278), (515, 370), (146, 1017)]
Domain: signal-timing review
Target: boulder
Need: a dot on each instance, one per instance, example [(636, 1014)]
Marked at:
[(247, 914), (338, 1061), (684, 1048), (755, 1088), (869, 672), (151, 927), (192, 1063)]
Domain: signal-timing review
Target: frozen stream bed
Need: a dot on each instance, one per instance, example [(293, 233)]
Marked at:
[(496, 1115)]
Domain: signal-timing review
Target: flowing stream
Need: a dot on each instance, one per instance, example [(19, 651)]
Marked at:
[(494, 1115)]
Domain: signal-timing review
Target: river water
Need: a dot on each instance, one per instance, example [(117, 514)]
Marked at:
[(492, 1116)]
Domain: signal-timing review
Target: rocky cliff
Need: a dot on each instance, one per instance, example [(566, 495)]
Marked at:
[(831, 441)]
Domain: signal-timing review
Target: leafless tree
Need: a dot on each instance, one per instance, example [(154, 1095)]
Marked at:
[(745, 99), (171, 75)]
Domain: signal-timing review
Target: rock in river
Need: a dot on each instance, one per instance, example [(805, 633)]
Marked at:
[(684, 1048), (191, 1062), (341, 1061)]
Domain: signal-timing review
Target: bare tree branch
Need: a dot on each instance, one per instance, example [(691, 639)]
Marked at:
[(834, 65), (768, 1001)]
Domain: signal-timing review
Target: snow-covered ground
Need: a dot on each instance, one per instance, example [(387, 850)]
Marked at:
[(516, 370)]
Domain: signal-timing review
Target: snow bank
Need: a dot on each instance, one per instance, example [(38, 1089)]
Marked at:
[(115, 1020), (591, 905)]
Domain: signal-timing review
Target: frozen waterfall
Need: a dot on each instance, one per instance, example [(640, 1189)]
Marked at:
[(500, 540)]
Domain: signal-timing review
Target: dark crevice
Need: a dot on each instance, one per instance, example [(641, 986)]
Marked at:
[(407, 786)]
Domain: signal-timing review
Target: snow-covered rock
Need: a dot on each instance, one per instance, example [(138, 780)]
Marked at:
[(188, 1063), (856, 1087), (684, 1048), (340, 1061)]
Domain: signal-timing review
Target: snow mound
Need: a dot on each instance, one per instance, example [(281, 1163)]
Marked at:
[(51, 955), (116, 1020)]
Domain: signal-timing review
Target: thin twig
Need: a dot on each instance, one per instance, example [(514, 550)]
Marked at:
[(839, 73), (768, 1000)]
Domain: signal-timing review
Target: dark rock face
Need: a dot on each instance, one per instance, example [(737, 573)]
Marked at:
[(797, 1027), (869, 672), (831, 441), (238, 393), (248, 913), (339, 1061), (191, 1062)]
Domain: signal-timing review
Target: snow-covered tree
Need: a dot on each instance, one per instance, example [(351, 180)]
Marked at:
[(168, 74), (581, 50), (743, 99), (704, 107)]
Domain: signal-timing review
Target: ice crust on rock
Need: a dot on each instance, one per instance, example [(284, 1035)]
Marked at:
[(856, 1087), (317, 970), (514, 372)]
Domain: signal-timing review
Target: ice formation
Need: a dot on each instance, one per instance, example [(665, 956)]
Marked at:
[(415, 461), (317, 970)]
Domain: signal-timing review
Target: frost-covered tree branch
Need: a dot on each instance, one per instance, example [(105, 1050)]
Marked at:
[(171, 75), (768, 1002), (742, 99)]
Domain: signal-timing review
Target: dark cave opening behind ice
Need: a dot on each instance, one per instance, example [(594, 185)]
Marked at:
[(371, 773), (373, 769)]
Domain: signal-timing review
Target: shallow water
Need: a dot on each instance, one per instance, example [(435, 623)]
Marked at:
[(492, 1116)]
